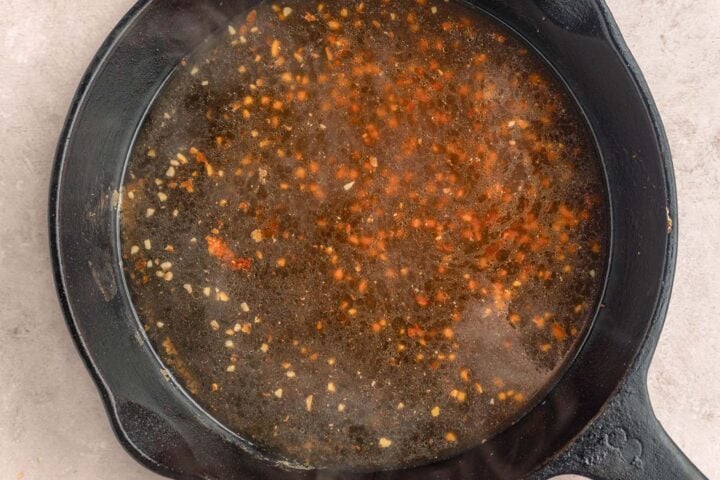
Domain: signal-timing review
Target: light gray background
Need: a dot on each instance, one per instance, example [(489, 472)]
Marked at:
[(52, 424)]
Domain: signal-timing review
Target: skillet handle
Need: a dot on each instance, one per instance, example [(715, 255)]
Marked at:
[(626, 442)]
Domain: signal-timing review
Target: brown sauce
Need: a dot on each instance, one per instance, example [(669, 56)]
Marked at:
[(364, 234)]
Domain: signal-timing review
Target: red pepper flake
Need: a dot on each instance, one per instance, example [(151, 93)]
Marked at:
[(241, 264), (218, 248), (200, 157), (188, 185), (558, 332), (415, 331)]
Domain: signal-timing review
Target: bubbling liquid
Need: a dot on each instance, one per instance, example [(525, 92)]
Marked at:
[(364, 234)]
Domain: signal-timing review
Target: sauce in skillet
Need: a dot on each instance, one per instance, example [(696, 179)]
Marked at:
[(364, 234)]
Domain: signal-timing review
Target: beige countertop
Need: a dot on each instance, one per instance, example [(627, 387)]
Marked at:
[(52, 423)]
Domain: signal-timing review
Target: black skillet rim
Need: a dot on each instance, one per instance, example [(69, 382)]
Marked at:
[(101, 57)]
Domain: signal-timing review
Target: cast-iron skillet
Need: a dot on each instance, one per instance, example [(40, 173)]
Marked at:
[(597, 421)]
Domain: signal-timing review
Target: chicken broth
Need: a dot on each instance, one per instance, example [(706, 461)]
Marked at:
[(364, 234)]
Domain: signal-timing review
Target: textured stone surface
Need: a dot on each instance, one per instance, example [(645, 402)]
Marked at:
[(52, 424)]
